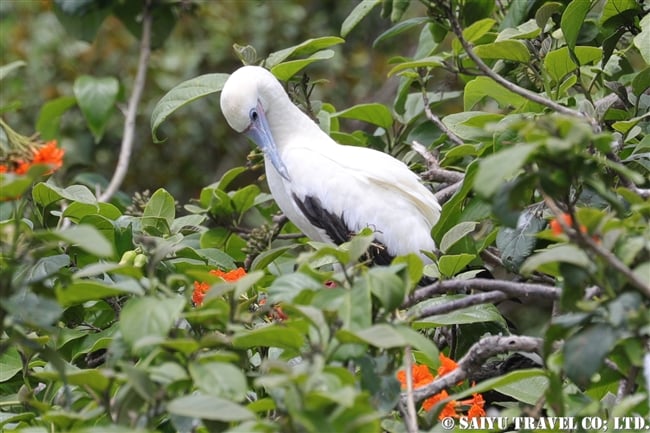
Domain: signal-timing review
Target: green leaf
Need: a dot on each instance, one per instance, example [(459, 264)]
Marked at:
[(572, 20), (305, 48), (475, 314), (495, 169), (426, 62), (374, 113), (285, 70), (81, 19), (474, 32), (92, 378), (482, 87), (614, 8), (505, 50), (641, 82), (561, 253), (527, 386), (400, 28), (386, 286), (516, 244), (219, 379), (358, 13), (86, 237), (76, 211), (96, 98), (49, 119), (527, 30), (159, 211), (452, 264), (558, 63), (209, 407), (269, 336), (456, 233), (46, 193), (642, 40), (10, 364), (81, 291), (383, 336), (10, 67), (145, 321), (470, 125), (585, 351), (183, 94)]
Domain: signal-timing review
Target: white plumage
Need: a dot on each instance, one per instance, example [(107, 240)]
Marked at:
[(328, 190)]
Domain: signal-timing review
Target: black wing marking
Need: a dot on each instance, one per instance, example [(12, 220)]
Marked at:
[(336, 228)]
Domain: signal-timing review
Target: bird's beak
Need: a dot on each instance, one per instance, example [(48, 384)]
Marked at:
[(260, 132)]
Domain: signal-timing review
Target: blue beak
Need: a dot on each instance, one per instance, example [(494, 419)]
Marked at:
[(260, 132)]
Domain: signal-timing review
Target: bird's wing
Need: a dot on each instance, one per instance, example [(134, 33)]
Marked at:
[(343, 189)]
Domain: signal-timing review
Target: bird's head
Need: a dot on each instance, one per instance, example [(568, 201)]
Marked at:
[(245, 99)]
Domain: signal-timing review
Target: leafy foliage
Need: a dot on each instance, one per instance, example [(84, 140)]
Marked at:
[(542, 116)]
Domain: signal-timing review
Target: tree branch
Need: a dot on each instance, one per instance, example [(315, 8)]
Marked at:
[(437, 121), (132, 108), (509, 288), (474, 358), (585, 241), (458, 304), (411, 416), (531, 96), (445, 194)]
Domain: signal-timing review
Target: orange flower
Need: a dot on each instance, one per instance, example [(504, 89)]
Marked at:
[(448, 411), (22, 167), (201, 288), (3, 168), (476, 406), (556, 227), (447, 365), (49, 154), (420, 374)]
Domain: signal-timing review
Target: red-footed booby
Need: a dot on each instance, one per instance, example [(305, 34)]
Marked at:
[(329, 191)]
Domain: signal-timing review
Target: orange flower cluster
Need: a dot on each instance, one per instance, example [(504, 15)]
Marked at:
[(556, 227), (47, 154), (201, 288), (422, 376)]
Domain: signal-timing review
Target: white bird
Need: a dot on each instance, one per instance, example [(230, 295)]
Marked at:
[(329, 191)]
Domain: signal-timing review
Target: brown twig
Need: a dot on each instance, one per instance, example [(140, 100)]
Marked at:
[(474, 358), (132, 108), (445, 194), (585, 241), (509, 288), (437, 121), (458, 304), (411, 420)]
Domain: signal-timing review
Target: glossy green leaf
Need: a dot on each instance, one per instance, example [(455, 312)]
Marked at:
[(561, 253), (159, 211), (572, 20), (475, 314), (474, 32), (269, 336), (362, 9), (496, 169), (47, 193), (398, 28), (527, 30), (504, 50), (642, 40), (451, 264), (305, 48), (285, 70), (426, 62), (49, 119), (484, 87), (10, 364), (86, 237), (386, 286), (209, 407), (558, 63), (96, 98), (456, 233), (145, 321), (220, 379), (81, 291), (516, 244), (585, 351), (183, 94), (374, 113)]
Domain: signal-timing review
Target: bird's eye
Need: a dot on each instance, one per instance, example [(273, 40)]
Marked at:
[(253, 115)]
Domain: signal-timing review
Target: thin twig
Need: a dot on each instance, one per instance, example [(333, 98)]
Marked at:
[(411, 420), (587, 242), (445, 194), (510, 288), (532, 96), (473, 360), (132, 108), (437, 121), (459, 304)]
